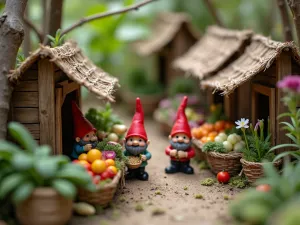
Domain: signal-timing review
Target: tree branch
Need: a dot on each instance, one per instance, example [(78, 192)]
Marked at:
[(295, 8), (30, 25), (105, 14), (286, 24), (11, 37), (214, 12)]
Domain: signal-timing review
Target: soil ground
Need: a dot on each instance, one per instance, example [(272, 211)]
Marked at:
[(173, 194)]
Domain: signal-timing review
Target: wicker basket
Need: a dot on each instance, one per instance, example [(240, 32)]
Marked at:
[(229, 162), (104, 195), (254, 170), (133, 166), (200, 155)]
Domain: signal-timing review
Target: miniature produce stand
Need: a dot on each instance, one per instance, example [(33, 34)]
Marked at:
[(45, 85), (172, 35)]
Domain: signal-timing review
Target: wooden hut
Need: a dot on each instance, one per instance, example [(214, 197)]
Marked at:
[(264, 63), (172, 35), (217, 48), (46, 83)]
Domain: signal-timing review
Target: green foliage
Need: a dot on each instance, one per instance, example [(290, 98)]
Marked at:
[(58, 40), (182, 85), (23, 170), (20, 58), (238, 181), (257, 207), (208, 182), (214, 147), (104, 119), (138, 82)]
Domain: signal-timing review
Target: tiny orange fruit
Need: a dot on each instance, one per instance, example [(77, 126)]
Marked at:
[(210, 139), (110, 162), (98, 166), (93, 155), (113, 169), (83, 162), (212, 134), (83, 156)]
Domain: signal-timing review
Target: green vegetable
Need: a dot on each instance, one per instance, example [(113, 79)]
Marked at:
[(208, 182), (214, 147), (65, 188)]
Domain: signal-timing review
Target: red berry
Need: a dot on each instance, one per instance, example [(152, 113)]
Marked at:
[(263, 188), (223, 177), (105, 175), (87, 167), (91, 173), (96, 179)]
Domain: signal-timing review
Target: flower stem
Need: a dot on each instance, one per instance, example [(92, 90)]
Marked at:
[(245, 139)]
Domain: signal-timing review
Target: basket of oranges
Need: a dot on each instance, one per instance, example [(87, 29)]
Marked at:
[(105, 174), (206, 133)]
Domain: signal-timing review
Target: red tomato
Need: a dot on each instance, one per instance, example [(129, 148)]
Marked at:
[(91, 173), (75, 161), (263, 187), (223, 177), (96, 179), (105, 175), (111, 173), (87, 167)]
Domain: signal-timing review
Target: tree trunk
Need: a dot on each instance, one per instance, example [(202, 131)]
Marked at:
[(11, 37), (295, 8), (286, 24), (27, 39), (54, 18), (213, 11)]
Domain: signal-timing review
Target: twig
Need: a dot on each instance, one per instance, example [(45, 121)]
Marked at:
[(105, 14), (286, 24), (214, 13), (295, 8), (34, 28)]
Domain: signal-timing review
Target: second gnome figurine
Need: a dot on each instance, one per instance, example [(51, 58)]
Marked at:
[(136, 143), (180, 150)]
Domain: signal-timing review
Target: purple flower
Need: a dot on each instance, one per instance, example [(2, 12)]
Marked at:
[(165, 103), (291, 82), (257, 125)]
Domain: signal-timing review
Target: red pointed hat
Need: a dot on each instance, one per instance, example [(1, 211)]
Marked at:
[(137, 124), (81, 125), (181, 124)]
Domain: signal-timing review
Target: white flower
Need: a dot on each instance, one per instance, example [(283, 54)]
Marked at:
[(243, 123)]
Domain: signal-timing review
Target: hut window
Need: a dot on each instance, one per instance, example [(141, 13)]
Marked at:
[(263, 106)]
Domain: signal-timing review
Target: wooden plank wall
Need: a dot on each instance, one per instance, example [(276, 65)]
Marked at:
[(25, 102)]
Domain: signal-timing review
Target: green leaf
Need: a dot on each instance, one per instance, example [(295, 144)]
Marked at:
[(283, 146), (65, 188), (270, 171), (46, 167), (10, 183), (77, 177), (283, 154), (22, 136), (22, 161), (23, 192), (42, 151), (284, 115), (292, 138), (6, 146), (50, 37)]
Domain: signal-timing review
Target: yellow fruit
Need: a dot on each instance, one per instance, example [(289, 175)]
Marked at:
[(110, 162), (113, 169), (83, 162), (83, 156), (98, 166), (93, 155)]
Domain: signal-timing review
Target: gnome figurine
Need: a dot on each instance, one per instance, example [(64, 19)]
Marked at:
[(136, 143), (84, 133), (180, 150)]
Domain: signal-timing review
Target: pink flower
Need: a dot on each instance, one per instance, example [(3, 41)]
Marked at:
[(291, 82), (165, 103)]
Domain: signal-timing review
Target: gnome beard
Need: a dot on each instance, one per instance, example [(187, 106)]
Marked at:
[(83, 143), (180, 145), (135, 150)]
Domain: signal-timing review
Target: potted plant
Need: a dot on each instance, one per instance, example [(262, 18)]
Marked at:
[(139, 85), (256, 148), (40, 185), (291, 86), (224, 153)]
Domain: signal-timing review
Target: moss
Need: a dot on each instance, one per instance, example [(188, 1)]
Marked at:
[(158, 193), (238, 181), (185, 188), (158, 211), (122, 199), (203, 165), (208, 182), (198, 196), (139, 208), (226, 197)]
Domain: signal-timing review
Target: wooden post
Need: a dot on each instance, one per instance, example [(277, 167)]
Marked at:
[(58, 120), (283, 68), (230, 108), (46, 102)]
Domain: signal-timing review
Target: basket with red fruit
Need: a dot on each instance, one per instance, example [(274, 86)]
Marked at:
[(106, 165)]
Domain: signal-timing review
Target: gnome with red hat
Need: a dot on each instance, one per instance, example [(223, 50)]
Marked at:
[(136, 143), (180, 150), (84, 133)]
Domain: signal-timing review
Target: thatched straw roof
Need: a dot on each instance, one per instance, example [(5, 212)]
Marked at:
[(212, 51), (164, 29), (258, 57), (70, 59)]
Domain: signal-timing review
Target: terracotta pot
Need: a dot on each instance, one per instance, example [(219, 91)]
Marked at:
[(45, 207), (254, 170), (149, 102)]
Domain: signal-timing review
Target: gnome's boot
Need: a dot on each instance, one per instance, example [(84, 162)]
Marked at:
[(142, 174), (173, 168), (186, 168), (130, 174)]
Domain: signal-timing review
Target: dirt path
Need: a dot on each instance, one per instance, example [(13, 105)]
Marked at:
[(174, 194)]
